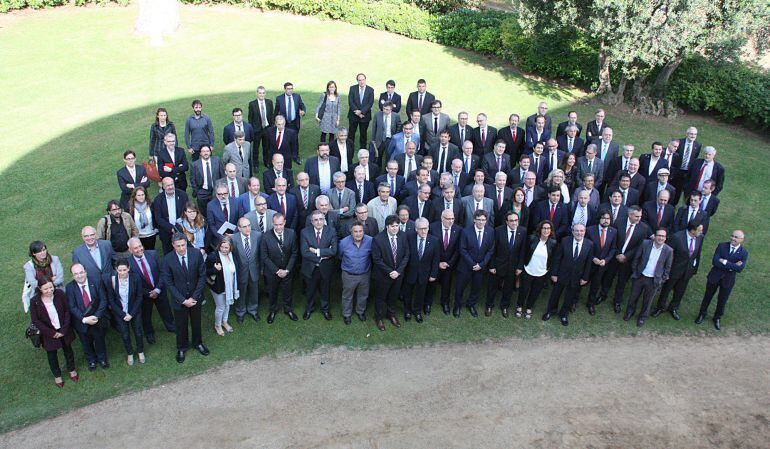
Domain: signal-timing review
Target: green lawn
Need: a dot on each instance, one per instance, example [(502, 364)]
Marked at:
[(78, 89)]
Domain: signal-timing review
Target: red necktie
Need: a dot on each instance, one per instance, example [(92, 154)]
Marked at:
[(232, 189), (700, 174), (224, 211), (692, 246), (446, 238), (483, 137), (601, 238), (514, 135), (283, 207), (278, 140), (318, 238), (660, 214), (499, 198), (86, 298), (146, 273), (553, 211)]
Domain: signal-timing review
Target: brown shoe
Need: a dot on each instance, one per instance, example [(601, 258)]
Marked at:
[(394, 321), (380, 325), (488, 312), (505, 313)]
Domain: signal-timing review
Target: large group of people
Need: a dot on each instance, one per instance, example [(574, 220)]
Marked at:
[(420, 207)]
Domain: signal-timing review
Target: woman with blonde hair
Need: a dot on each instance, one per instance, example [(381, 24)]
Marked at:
[(220, 265)]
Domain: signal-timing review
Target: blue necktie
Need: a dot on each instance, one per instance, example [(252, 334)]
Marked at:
[(290, 109)]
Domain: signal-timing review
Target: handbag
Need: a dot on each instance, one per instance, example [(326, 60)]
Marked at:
[(152, 170), (33, 333), (322, 109)]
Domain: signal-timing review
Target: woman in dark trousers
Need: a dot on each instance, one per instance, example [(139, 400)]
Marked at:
[(124, 290), (537, 265), (49, 313)]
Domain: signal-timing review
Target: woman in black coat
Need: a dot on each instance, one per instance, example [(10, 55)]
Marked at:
[(49, 313), (537, 265)]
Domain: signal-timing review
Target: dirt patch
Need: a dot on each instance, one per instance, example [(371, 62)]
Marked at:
[(623, 392)]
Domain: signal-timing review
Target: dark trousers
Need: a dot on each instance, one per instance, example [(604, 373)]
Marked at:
[(279, 288), (621, 272), (504, 280), (415, 297), (476, 279), (571, 297), (380, 152), (529, 289), (165, 241), (53, 359), (183, 316), (642, 285), (445, 281), (386, 294), (126, 329), (724, 294), (148, 242), (362, 126), (94, 347), (202, 198), (161, 303), (260, 140), (678, 285), (323, 137), (317, 284)]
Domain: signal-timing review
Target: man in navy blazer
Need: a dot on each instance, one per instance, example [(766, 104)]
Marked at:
[(203, 174), (553, 156), (653, 187), (184, 275), (318, 248), (282, 139), (484, 136), (571, 270), (555, 210), (461, 132), (147, 264), (290, 106), (507, 263), (284, 202), (393, 179), (691, 212), (607, 150), (729, 259), (246, 199), (167, 207), (228, 133), (87, 302), (631, 233), (390, 95), (649, 270), (604, 239), (422, 268), (477, 244), (313, 168), (659, 213), (277, 170), (128, 181), (448, 235), (94, 254), (537, 134), (390, 256), (261, 117), (572, 118), (687, 245), (514, 138), (705, 169), (363, 189), (570, 142), (223, 208), (360, 102), (419, 100)]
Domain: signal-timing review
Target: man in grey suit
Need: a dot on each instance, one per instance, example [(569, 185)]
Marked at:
[(249, 268), (476, 200), (236, 185), (261, 218), (435, 122), (238, 152), (95, 255), (202, 175), (384, 126), (650, 269), (382, 206), (590, 164), (321, 167), (342, 199)]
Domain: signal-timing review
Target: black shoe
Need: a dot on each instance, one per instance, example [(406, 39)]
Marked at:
[(456, 312), (407, 316), (361, 316), (346, 320), (238, 319), (418, 318), (627, 316), (472, 310), (640, 322), (426, 309), (617, 308), (306, 315), (380, 325), (104, 364), (675, 314), (717, 325), (546, 316), (270, 317), (488, 312), (150, 339), (600, 299), (327, 316), (591, 310), (292, 316), (180, 356), (564, 321), (656, 313), (700, 318), (445, 309), (256, 317), (91, 366), (202, 349)]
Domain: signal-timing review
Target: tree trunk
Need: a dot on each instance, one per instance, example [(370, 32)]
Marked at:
[(605, 85), (617, 97), (659, 89)]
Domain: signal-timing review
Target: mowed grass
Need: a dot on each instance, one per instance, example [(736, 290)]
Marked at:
[(78, 89)]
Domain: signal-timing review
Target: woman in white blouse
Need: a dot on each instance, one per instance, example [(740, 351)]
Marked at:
[(537, 265), (139, 207), (220, 268), (49, 313)]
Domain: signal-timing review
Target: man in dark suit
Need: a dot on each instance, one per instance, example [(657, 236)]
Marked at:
[(659, 213), (654, 187), (495, 162), (306, 195), (631, 234), (516, 175), (542, 111), (553, 156), (393, 179), (184, 275), (284, 202), (447, 200), (484, 136), (618, 212), (604, 238), (590, 163), (322, 167), (434, 122), (554, 210), (470, 162), (331, 217), (391, 96), (630, 195), (709, 202), (401, 140), (569, 142), (384, 126), (422, 268), (729, 259), (360, 102), (687, 245), (318, 248), (458, 176), (513, 136), (572, 120), (228, 133), (419, 100), (580, 211), (595, 128), (420, 205), (167, 207), (461, 132), (539, 162), (533, 193), (363, 189), (390, 255), (448, 234), (691, 212), (246, 202), (283, 140), (246, 246), (130, 177), (688, 149), (571, 270), (507, 262), (277, 170), (650, 163), (536, 134), (476, 249), (290, 106), (261, 116), (236, 185), (649, 270), (502, 197), (343, 149), (147, 265), (444, 152), (607, 151), (405, 224), (278, 251), (87, 302), (408, 161), (362, 217), (371, 170), (703, 170), (172, 162), (222, 209), (94, 254), (204, 172)]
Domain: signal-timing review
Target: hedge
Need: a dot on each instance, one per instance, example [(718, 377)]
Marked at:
[(732, 90)]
